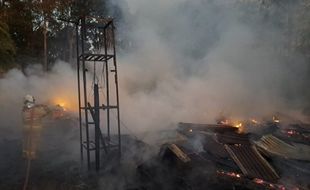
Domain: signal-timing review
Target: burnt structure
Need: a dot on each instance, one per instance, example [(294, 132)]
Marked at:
[(237, 148), (213, 156), (97, 90)]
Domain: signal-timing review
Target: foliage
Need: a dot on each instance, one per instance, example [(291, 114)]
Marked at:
[(25, 23), (291, 17), (7, 48), (33, 22)]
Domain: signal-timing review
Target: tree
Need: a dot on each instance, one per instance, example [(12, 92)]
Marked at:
[(7, 48), (37, 31), (18, 16)]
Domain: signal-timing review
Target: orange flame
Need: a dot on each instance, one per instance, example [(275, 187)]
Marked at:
[(65, 103), (230, 174)]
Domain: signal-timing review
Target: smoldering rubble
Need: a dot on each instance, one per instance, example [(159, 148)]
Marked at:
[(188, 62)]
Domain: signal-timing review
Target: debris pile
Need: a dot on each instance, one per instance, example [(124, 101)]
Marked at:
[(221, 156)]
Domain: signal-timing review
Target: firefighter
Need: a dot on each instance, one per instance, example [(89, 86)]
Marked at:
[(32, 126)]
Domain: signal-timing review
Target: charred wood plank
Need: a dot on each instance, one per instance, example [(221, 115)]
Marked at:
[(215, 128)]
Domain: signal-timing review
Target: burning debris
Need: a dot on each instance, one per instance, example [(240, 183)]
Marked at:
[(296, 132), (222, 153), (235, 50)]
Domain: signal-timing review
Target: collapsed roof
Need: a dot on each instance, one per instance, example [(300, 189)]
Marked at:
[(273, 145), (225, 144)]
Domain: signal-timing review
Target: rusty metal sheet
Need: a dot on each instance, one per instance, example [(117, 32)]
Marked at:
[(276, 146), (251, 163)]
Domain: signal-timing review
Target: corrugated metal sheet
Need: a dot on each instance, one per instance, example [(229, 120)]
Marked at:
[(275, 146), (251, 163)]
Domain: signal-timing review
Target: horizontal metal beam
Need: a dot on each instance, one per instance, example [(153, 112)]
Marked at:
[(101, 107), (95, 57)]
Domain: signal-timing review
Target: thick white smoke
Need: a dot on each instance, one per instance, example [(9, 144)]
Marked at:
[(185, 61), (56, 87), (192, 60)]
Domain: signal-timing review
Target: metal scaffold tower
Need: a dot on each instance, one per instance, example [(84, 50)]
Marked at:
[(98, 95)]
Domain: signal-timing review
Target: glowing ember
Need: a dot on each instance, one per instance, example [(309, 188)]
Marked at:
[(272, 185), (254, 121), (258, 181), (275, 119), (235, 123), (230, 174), (290, 132), (224, 122), (238, 125)]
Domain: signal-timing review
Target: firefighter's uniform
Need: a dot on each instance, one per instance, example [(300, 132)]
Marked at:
[(32, 119)]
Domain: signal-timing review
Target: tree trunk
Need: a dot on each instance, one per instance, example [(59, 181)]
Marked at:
[(70, 41), (45, 64)]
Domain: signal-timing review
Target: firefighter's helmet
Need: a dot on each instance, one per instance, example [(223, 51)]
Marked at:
[(29, 101)]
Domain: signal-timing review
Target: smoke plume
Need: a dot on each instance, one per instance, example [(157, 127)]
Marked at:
[(185, 61), (193, 60)]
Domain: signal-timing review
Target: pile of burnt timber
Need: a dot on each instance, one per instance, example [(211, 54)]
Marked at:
[(188, 128), (217, 156), (239, 148), (207, 150), (299, 133), (232, 138)]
